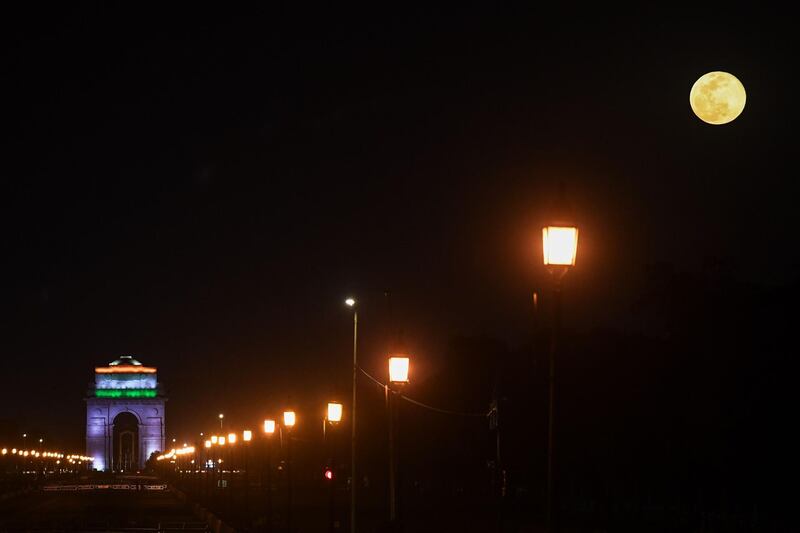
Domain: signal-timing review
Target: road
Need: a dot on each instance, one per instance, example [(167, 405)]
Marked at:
[(97, 510)]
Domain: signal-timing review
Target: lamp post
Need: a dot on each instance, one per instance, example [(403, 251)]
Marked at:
[(221, 416), (333, 417), (207, 445), (353, 483), (221, 467), (269, 431), (247, 436), (232, 438), (289, 420), (398, 377), (559, 248)]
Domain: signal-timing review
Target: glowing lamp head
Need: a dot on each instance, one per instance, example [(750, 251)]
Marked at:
[(398, 368), (247, 435), (5, 451), (350, 302), (232, 438), (560, 245), (328, 474), (208, 444), (221, 416), (214, 439), (289, 419), (334, 412), (221, 440), (269, 427)]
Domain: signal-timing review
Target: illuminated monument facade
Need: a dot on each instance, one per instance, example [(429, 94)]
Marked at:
[(124, 415)]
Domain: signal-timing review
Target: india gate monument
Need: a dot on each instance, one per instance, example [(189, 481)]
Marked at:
[(124, 415)]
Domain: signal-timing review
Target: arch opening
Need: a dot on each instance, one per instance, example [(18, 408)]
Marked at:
[(125, 443)]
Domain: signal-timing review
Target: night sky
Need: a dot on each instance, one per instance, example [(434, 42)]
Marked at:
[(203, 189)]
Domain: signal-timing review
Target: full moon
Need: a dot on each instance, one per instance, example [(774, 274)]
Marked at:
[(717, 97)]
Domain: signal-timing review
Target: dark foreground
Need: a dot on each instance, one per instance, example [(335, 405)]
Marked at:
[(97, 510)]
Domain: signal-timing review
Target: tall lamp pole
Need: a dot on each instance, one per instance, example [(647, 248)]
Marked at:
[(353, 482), (269, 430), (398, 377), (332, 418), (288, 423), (559, 246)]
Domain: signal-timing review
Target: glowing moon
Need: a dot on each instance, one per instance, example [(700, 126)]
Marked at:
[(717, 97)]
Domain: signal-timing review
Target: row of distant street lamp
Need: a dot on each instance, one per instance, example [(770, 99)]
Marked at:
[(34, 454), (398, 374)]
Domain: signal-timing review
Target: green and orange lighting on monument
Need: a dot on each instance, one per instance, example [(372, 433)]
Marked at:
[(125, 393), (125, 378)]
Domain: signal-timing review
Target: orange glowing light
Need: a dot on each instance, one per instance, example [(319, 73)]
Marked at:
[(289, 418), (398, 369), (560, 245), (125, 369), (269, 427), (334, 412)]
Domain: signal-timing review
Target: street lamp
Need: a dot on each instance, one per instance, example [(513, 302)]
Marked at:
[(247, 436), (334, 416), (221, 416), (398, 377), (289, 420), (398, 369), (214, 439), (350, 302), (269, 431), (559, 245), (559, 251), (334, 412)]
